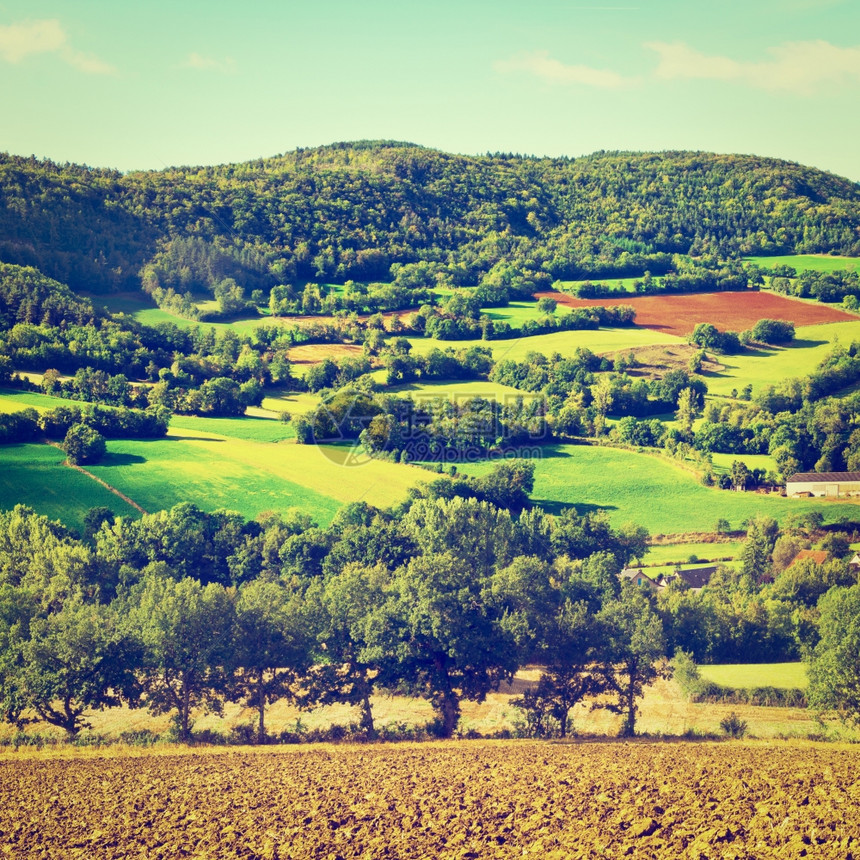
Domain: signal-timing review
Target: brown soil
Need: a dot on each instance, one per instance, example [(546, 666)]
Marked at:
[(456, 800), (732, 311)]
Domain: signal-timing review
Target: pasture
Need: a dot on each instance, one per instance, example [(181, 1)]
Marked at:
[(649, 490), (744, 676), (34, 475), (214, 470), (767, 366), (565, 342), (680, 553), (803, 262)]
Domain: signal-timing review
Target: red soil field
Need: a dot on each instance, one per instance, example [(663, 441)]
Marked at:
[(731, 311)]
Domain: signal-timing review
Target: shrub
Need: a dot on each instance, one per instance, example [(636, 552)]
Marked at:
[(734, 726), (83, 444)]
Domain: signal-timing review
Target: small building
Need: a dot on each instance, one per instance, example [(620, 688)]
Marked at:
[(695, 578), (819, 556), (638, 578), (854, 564), (828, 484)]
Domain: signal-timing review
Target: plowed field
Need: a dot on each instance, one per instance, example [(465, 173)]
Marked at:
[(734, 311), (470, 799)]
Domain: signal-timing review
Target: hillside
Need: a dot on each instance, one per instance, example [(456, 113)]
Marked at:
[(350, 211)]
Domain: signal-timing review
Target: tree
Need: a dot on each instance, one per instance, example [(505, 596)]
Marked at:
[(834, 677), (635, 648), (447, 636), (69, 663), (272, 646), (83, 444), (354, 638), (547, 306), (688, 409), (185, 631)]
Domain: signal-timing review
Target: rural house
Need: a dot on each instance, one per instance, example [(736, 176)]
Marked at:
[(830, 484), (695, 578), (638, 578), (819, 556)]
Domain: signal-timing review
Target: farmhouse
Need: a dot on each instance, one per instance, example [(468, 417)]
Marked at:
[(830, 484), (639, 578), (695, 577)]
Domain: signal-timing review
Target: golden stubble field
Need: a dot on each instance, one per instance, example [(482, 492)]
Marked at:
[(457, 799)]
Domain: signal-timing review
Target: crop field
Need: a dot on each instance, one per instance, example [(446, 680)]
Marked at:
[(762, 367), (679, 314), (786, 676), (33, 475), (217, 471), (648, 490), (465, 799), (802, 262)]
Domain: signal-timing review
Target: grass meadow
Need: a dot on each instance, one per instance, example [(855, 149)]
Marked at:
[(744, 676), (761, 367), (33, 475), (680, 553), (804, 262), (649, 490), (249, 475), (597, 340)]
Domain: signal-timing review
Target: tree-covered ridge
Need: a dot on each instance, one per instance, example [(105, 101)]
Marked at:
[(351, 211)]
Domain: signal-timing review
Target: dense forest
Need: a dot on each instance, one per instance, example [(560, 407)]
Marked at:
[(366, 211)]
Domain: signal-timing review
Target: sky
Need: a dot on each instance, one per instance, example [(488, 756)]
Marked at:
[(157, 83)]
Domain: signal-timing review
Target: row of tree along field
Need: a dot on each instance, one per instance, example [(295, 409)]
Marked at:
[(443, 597)]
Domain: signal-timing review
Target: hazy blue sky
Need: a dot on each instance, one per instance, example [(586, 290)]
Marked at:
[(187, 82)]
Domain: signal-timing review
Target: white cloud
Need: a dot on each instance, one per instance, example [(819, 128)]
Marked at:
[(541, 65), (21, 40), (798, 67), (201, 63)]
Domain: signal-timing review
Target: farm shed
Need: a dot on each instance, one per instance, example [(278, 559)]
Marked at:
[(829, 484)]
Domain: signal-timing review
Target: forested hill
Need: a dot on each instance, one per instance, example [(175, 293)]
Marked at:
[(352, 210)]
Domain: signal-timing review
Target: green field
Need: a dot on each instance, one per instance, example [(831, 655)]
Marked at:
[(762, 367), (648, 490), (625, 283), (248, 429), (33, 475), (12, 400), (565, 342), (216, 471), (802, 262), (677, 554), (785, 676), (723, 462), (458, 390)]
